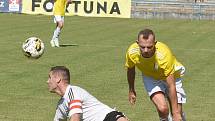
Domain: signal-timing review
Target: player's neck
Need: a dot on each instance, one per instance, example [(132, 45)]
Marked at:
[(62, 89)]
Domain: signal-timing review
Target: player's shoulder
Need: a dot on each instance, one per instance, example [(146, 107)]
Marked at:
[(133, 49), (74, 92), (77, 89), (162, 50)]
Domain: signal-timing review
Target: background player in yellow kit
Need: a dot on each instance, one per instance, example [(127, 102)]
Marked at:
[(59, 13), (161, 74)]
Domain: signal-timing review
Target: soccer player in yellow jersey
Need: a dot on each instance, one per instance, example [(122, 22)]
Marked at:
[(161, 74), (59, 13)]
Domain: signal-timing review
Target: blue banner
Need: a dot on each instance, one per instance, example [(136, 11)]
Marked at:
[(3, 6)]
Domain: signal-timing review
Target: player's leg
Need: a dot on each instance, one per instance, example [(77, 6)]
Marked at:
[(160, 103), (57, 32), (59, 20), (156, 90)]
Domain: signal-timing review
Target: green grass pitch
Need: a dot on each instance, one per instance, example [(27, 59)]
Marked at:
[(97, 64)]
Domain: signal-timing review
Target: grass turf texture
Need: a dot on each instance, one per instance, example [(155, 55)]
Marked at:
[(97, 64)]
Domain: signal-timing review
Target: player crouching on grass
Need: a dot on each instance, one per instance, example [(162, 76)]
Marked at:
[(76, 103), (161, 74)]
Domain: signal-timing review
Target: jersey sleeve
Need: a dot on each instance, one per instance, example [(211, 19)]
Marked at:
[(132, 55), (128, 62), (75, 106), (75, 102)]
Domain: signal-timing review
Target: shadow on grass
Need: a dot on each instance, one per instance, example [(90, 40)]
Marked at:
[(68, 45)]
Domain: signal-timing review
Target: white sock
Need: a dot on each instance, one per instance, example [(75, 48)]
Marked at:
[(183, 116), (56, 33), (170, 117), (163, 119)]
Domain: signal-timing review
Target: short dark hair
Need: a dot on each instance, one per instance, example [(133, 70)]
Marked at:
[(63, 71), (146, 33)]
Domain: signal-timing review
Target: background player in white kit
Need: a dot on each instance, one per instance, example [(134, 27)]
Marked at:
[(76, 103)]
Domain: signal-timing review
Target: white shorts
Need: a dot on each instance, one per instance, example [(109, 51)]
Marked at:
[(58, 18), (152, 86)]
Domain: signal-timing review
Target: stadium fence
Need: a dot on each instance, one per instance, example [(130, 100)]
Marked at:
[(173, 9)]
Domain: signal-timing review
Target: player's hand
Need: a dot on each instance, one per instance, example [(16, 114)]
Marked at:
[(132, 97), (177, 117)]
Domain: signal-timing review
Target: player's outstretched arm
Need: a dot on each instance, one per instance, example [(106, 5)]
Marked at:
[(173, 97)]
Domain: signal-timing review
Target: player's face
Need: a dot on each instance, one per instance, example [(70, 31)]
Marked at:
[(52, 82), (147, 46)]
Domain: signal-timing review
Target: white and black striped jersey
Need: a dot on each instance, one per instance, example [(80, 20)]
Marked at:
[(78, 100)]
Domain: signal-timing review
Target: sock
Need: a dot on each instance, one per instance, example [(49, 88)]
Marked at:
[(56, 33), (163, 119), (169, 117), (183, 116)]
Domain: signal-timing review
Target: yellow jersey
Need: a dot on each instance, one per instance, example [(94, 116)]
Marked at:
[(159, 66), (60, 7)]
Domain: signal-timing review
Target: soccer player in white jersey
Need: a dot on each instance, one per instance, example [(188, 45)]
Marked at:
[(59, 13), (162, 75), (76, 104)]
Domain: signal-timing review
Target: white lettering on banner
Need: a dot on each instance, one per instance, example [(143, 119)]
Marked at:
[(88, 6), (2, 4)]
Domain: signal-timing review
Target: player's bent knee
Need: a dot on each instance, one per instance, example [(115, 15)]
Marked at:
[(163, 109), (60, 25)]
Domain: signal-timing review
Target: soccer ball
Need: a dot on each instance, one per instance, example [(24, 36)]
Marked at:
[(33, 47)]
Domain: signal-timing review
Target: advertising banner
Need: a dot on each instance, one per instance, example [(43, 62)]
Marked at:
[(95, 8), (3, 6), (37, 7), (11, 6), (14, 5)]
